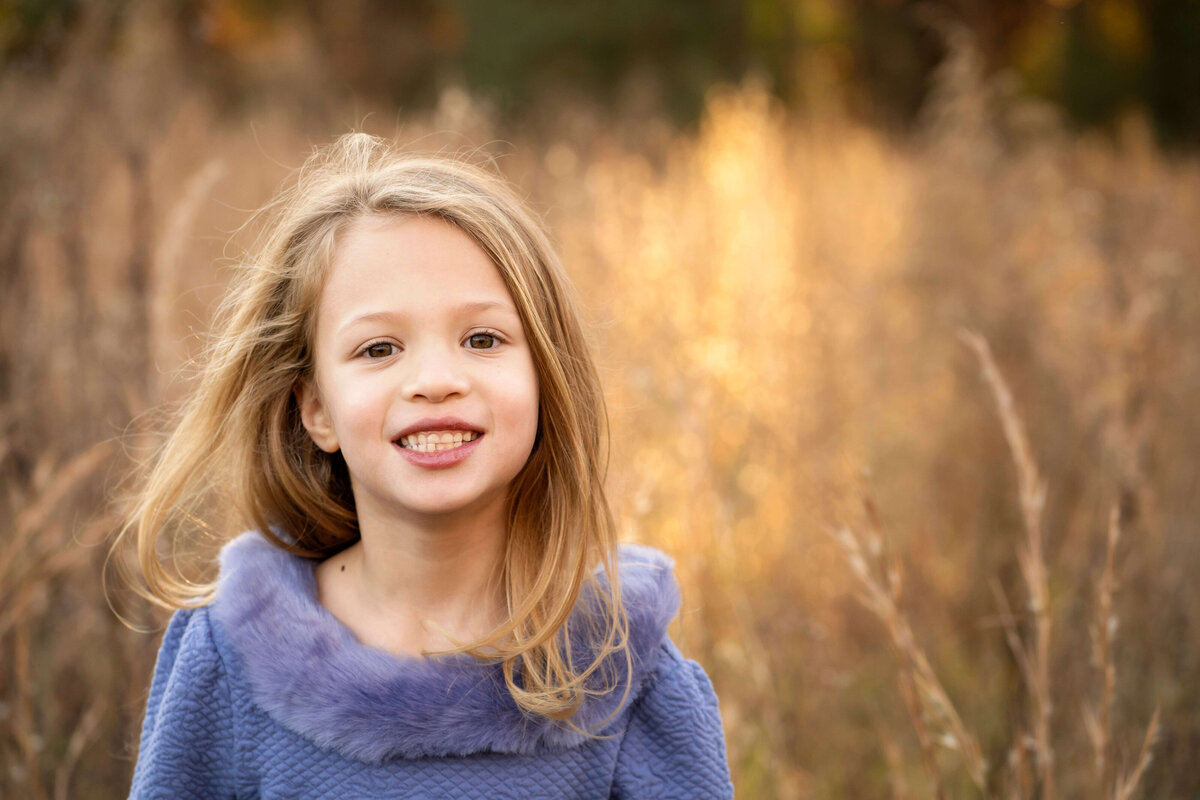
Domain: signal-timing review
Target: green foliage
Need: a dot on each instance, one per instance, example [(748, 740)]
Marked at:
[(34, 27), (521, 48)]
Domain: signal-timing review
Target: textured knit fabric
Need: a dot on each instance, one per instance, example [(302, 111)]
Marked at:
[(264, 694)]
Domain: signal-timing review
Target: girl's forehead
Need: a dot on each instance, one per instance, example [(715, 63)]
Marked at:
[(415, 264), (406, 236)]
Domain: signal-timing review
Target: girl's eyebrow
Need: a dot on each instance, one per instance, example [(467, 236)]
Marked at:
[(462, 309)]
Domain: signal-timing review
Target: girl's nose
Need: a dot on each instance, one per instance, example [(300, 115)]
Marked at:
[(434, 375)]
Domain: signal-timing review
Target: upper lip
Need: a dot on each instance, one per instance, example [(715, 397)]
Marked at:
[(437, 424)]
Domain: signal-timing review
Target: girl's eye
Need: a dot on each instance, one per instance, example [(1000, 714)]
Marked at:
[(379, 350), (482, 341)]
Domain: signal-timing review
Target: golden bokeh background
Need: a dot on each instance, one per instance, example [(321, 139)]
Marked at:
[(779, 285)]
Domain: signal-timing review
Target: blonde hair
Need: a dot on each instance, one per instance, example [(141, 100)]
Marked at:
[(240, 446)]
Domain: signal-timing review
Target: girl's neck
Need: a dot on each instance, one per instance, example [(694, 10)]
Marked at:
[(412, 586)]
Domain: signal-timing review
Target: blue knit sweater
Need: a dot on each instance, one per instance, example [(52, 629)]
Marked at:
[(264, 694)]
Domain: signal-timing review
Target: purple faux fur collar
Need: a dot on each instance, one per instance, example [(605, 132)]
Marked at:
[(311, 674)]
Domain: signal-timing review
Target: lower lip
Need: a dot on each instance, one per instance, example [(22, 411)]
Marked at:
[(440, 459)]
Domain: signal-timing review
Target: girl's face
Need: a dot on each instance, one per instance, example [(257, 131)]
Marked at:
[(424, 378)]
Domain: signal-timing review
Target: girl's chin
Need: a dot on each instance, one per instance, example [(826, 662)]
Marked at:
[(434, 506)]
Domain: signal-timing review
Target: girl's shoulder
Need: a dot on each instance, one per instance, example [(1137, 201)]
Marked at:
[(190, 645), (649, 593), (186, 742), (673, 744)]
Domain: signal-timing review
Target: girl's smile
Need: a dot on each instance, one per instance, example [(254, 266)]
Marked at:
[(438, 443), (424, 379)]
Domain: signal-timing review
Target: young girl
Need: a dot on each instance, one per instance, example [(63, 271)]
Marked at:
[(400, 405)]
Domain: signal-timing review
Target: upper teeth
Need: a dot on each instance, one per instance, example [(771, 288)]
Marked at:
[(429, 441)]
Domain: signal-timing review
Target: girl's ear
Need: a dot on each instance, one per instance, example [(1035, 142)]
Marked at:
[(315, 418)]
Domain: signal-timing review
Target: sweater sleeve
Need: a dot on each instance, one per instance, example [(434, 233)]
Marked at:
[(187, 739), (674, 746)]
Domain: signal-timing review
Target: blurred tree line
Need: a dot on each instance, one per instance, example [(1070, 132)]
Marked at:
[(1094, 59)]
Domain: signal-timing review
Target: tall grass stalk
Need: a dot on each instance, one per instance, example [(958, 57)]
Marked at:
[(930, 709), (1032, 658)]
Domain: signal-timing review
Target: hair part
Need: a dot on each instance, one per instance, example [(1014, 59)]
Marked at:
[(239, 455)]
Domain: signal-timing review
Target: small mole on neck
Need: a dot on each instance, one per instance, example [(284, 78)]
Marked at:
[(343, 567)]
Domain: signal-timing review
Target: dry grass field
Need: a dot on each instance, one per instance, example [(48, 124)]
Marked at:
[(897, 541)]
